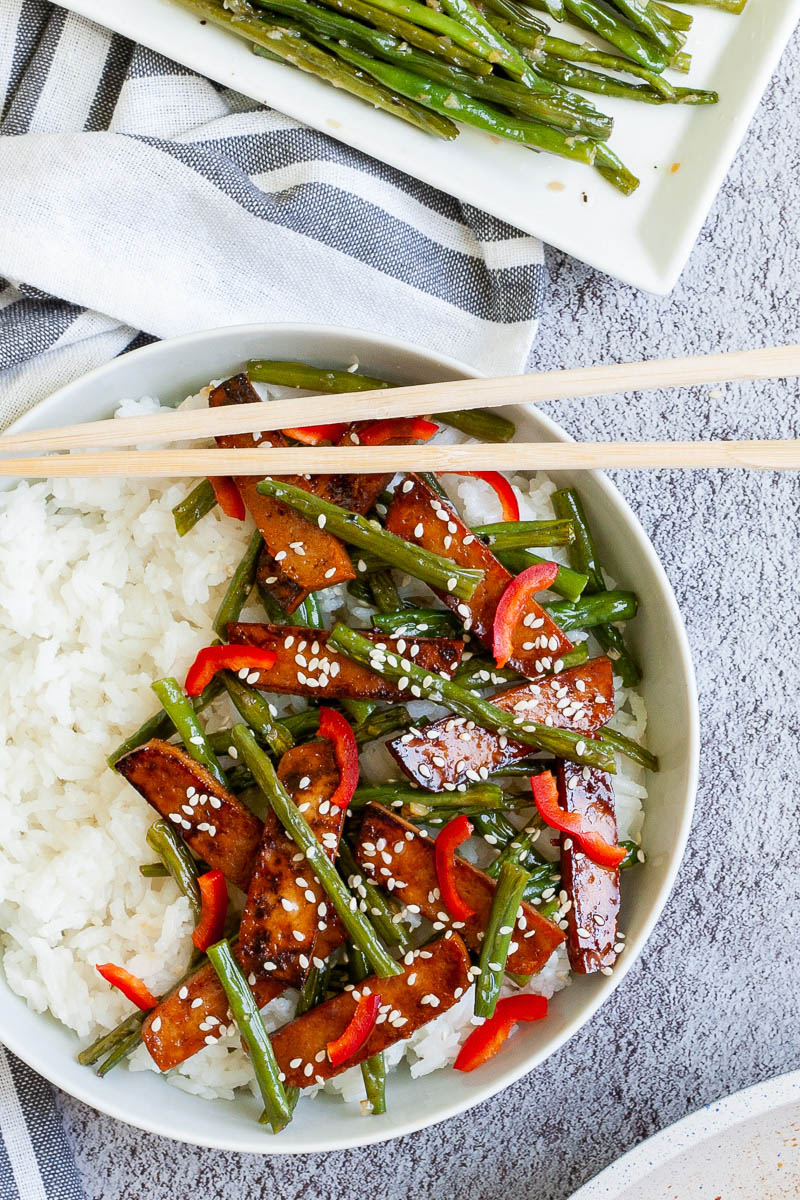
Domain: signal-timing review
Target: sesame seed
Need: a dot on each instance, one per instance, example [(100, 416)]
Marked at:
[(451, 583), (196, 1003), (156, 1025)]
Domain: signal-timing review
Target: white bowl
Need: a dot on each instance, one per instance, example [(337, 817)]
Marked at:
[(177, 368)]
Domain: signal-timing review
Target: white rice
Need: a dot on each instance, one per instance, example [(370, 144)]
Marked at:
[(99, 597)]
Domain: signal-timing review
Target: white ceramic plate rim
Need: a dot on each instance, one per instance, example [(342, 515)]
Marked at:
[(707, 1123), (362, 1135), (644, 240)]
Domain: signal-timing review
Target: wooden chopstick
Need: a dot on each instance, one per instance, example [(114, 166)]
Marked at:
[(331, 460), (777, 362)]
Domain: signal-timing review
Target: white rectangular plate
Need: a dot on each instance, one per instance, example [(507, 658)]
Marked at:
[(681, 154)]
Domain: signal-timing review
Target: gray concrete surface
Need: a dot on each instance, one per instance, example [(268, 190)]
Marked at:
[(712, 1004)]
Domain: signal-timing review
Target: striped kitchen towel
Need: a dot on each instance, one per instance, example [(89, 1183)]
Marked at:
[(140, 200)]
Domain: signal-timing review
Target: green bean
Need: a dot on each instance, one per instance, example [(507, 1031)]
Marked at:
[(193, 508), (108, 1042), (597, 609), (611, 167), (358, 711), (521, 851), (482, 672), (312, 993), (240, 586), (183, 716), (357, 925), (523, 768), (731, 6), (479, 797), (417, 622), (521, 535), (411, 33), (160, 724), (288, 44), (312, 379), (387, 597), (632, 44), (174, 854), (566, 73), (153, 870), (432, 481), (360, 590), (648, 22), (462, 107), (373, 1069), (567, 583), (302, 725), (551, 110), (123, 1048), (561, 742), (373, 900), (567, 503), (245, 1012), (482, 423), (358, 531), (635, 855), (380, 724), (493, 827), (307, 612), (681, 20), (631, 749), (535, 44), (488, 426), (497, 937), (255, 710)]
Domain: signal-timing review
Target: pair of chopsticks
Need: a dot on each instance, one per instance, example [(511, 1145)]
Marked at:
[(778, 362)]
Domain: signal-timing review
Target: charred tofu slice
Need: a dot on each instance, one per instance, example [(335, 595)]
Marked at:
[(434, 978), (286, 907), (593, 890), (210, 819), (305, 557), (454, 750), (392, 850), (425, 519), (195, 1014), (304, 665), (195, 1011)]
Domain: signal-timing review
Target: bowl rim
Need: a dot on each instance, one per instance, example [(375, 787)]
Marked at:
[(604, 987)]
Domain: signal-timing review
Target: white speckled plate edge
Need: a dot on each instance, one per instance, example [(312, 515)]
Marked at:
[(178, 367), (681, 153), (726, 1121)]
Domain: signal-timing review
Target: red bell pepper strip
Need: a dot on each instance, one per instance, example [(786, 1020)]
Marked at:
[(228, 497), (216, 658), (130, 985), (454, 833), (214, 909), (361, 1026), (595, 847), (511, 605), (335, 729), (315, 435), (486, 1040), (415, 429), (503, 489)]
